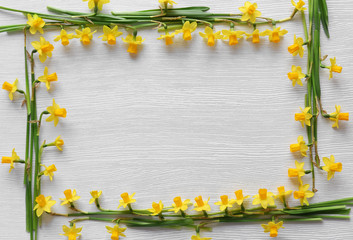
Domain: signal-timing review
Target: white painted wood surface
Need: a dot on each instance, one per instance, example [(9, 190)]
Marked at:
[(180, 120)]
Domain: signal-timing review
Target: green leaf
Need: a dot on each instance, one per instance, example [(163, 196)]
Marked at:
[(324, 16)]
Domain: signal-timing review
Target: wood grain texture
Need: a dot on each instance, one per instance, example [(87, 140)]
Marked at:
[(180, 120)]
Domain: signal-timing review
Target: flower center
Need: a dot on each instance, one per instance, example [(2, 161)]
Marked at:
[(65, 40), (41, 200), (299, 116), (187, 34), (61, 112), (300, 194), (68, 194), (47, 48), (239, 194), (273, 231), (343, 116), (251, 9), (125, 197), (263, 194), (132, 48), (156, 207), (275, 37), (292, 49), (168, 40), (85, 39), (7, 86), (336, 167), (256, 38), (37, 22), (292, 172), (111, 39), (293, 75), (336, 69), (233, 40), (281, 190), (294, 147), (224, 199), (177, 201), (51, 168), (52, 77), (211, 40), (199, 201), (6, 160), (300, 4)]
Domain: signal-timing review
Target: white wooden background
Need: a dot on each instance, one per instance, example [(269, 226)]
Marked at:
[(183, 120)]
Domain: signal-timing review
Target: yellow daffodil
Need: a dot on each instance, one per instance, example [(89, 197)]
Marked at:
[(95, 195), (211, 36), (331, 166), (297, 47), (11, 159), (300, 146), (44, 204), (36, 23), (201, 205), (272, 228), (47, 79), (255, 35), (55, 112), (133, 43), (282, 194), (275, 34), (168, 37), (240, 197), (187, 29), (126, 199), (110, 34), (85, 35), (96, 3), (264, 198), (64, 37), (198, 237), (44, 49), (297, 172), (166, 2), (249, 12), (304, 116), (232, 36), (11, 88), (303, 194), (49, 171), (70, 197), (71, 232), (296, 75), (179, 205), (225, 203), (336, 116), (156, 208), (58, 143), (299, 5), (334, 67), (116, 232)]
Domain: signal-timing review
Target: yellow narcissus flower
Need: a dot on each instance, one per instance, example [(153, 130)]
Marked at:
[(225, 203), (166, 2), (36, 23), (187, 29), (334, 67), (156, 208), (44, 49), (70, 197), (240, 197), (55, 112), (275, 34), (201, 205), (296, 75), (126, 199), (44, 204), (303, 194), (282, 194), (96, 3), (255, 35), (71, 232), (85, 35), (297, 47), (11, 159), (300, 146), (304, 116), (232, 36), (211, 36), (331, 166), (297, 172), (110, 34), (299, 5), (133, 43), (116, 232), (58, 143), (198, 237), (272, 228), (249, 12), (336, 116), (179, 205), (264, 198), (47, 79), (95, 195), (64, 37), (49, 171), (168, 37), (11, 88)]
